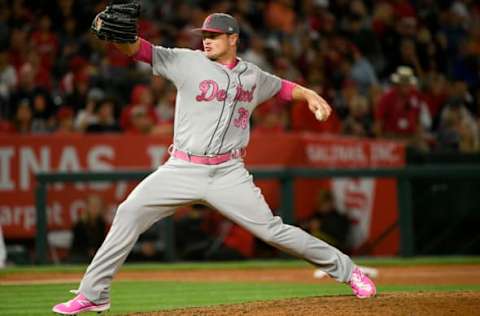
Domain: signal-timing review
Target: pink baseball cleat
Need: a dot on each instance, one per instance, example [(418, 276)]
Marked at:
[(361, 285), (79, 304)]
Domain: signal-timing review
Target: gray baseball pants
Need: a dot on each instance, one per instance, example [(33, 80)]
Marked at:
[(229, 188)]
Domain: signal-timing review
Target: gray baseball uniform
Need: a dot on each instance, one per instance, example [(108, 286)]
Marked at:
[(213, 107)]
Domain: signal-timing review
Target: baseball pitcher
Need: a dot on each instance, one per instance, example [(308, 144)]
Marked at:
[(216, 95)]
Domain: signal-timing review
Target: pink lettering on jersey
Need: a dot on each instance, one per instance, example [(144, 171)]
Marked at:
[(244, 95), (209, 91), (221, 95), (242, 120)]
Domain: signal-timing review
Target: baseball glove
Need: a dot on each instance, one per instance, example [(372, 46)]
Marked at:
[(118, 22)]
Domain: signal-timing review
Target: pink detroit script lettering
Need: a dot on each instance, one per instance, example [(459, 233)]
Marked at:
[(244, 95), (209, 91)]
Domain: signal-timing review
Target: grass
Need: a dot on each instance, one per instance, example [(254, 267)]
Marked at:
[(132, 296)]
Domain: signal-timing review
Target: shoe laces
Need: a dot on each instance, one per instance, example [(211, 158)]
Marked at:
[(358, 280), (357, 276)]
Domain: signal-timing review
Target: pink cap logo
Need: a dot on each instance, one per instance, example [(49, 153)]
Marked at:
[(207, 21)]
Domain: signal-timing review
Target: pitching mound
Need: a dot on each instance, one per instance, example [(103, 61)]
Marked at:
[(448, 303)]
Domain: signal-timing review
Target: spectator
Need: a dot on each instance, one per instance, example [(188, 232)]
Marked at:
[(78, 96), (18, 41), (362, 72), (280, 16), (359, 119), (43, 74), (256, 53), (22, 122), (140, 121), (87, 116), (400, 111), (159, 87), (327, 222), (65, 121), (105, 118), (362, 36), (459, 90), (409, 56), (283, 67), (165, 111), (141, 99), (458, 130), (43, 113), (45, 42), (27, 88), (71, 45), (348, 91), (452, 31), (8, 80), (435, 94), (150, 246), (89, 231)]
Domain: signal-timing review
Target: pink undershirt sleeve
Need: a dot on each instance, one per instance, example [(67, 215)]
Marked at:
[(144, 52), (286, 90)]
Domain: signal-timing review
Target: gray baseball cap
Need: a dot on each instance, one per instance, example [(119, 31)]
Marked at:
[(219, 23)]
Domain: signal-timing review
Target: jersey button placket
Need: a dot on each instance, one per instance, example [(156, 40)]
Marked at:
[(230, 103), (231, 94)]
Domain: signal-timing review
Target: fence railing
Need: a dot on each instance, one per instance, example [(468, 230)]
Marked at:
[(286, 176)]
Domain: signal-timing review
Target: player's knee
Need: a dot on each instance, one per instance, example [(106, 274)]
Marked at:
[(128, 210), (271, 232)]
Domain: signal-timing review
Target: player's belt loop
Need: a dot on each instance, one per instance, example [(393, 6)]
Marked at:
[(243, 152), (238, 153), (171, 149)]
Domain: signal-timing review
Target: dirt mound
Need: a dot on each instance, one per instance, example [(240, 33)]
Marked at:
[(423, 303)]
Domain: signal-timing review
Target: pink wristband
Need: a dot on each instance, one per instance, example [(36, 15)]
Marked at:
[(285, 92), (144, 53)]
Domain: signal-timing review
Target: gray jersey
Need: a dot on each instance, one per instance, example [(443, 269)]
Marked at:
[(214, 103)]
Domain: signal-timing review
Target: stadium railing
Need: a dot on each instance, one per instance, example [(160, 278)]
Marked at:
[(286, 176)]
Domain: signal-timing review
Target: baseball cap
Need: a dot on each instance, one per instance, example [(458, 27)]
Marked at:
[(404, 75), (219, 23)]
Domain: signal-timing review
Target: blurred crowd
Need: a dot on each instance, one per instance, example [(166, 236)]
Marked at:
[(402, 69)]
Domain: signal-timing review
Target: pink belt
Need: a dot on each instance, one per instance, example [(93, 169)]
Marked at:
[(207, 160)]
